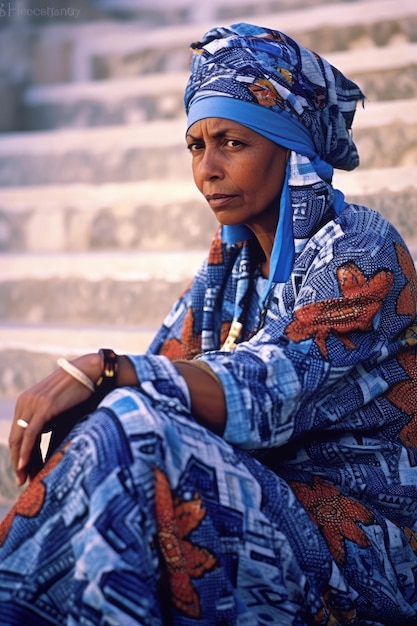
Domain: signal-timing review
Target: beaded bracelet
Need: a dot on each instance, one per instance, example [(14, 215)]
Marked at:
[(109, 370)]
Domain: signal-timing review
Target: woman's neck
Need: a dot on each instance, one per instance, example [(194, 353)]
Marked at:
[(263, 248), (265, 236)]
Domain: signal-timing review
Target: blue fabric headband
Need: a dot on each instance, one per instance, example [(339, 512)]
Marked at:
[(283, 129)]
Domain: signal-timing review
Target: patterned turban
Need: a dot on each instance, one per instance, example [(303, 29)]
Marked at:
[(266, 81), (251, 65)]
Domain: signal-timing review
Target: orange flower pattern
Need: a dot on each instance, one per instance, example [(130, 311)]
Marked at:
[(188, 346), (184, 560), (265, 93), (189, 342), (407, 300), (31, 501), (402, 395), (336, 515), (361, 300)]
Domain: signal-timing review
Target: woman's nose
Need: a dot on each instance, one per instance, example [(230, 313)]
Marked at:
[(210, 164)]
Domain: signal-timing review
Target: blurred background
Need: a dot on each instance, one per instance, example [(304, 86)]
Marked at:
[(100, 225)]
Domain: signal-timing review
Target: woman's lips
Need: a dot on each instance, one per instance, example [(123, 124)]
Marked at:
[(218, 200)]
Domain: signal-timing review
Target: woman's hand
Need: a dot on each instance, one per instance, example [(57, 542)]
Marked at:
[(38, 405)]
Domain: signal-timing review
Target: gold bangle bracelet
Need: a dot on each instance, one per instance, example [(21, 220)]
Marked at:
[(76, 373)]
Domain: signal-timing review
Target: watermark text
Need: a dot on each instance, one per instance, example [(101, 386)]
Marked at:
[(16, 10)]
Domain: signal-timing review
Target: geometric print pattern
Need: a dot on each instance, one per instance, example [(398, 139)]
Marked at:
[(306, 515)]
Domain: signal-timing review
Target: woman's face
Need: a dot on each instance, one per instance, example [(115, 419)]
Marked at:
[(239, 172)]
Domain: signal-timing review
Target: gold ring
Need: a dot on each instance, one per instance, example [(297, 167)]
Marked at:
[(22, 423)]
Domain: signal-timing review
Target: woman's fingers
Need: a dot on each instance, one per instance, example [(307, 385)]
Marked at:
[(25, 432), (34, 408)]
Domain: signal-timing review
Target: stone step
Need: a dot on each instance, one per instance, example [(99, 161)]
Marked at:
[(324, 28), (130, 287), (105, 102), (90, 50), (181, 11), (84, 51), (384, 73), (155, 215), (99, 155), (147, 215), (391, 191), (78, 298), (28, 352), (150, 216), (8, 489), (109, 288), (386, 134)]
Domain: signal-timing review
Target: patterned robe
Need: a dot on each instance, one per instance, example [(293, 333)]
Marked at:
[(303, 513)]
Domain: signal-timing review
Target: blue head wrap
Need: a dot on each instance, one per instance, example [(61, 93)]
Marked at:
[(264, 80)]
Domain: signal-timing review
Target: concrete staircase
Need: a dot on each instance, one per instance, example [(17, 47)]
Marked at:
[(100, 225)]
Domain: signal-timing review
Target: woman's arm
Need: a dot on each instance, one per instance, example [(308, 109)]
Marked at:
[(208, 403), (40, 403), (61, 391)]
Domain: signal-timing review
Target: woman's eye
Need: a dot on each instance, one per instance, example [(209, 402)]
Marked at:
[(194, 147)]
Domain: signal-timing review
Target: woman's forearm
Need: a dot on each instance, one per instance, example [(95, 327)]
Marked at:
[(92, 366), (207, 397)]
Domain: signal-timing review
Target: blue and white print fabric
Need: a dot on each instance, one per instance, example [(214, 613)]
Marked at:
[(304, 513)]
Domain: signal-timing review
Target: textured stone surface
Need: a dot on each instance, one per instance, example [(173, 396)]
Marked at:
[(95, 156), (77, 301), (326, 28), (101, 289), (28, 353), (105, 102), (8, 489), (138, 216), (385, 132), (383, 73)]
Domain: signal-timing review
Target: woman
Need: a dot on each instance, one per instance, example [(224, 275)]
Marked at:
[(257, 466)]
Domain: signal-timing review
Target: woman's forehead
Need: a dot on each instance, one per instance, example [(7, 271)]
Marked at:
[(217, 125)]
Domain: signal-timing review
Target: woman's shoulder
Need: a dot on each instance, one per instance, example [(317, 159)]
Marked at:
[(369, 227), (361, 217), (361, 226), (359, 235)]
